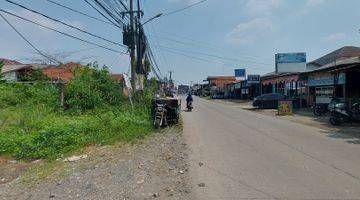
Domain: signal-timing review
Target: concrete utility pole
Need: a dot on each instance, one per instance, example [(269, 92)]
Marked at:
[(132, 47), (139, 48), (170, 78)]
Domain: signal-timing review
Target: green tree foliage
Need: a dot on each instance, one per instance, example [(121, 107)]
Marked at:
[(33, 125), (92, 88), (32, 76)]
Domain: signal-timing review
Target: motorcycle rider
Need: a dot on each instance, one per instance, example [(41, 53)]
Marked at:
[(189, 99)]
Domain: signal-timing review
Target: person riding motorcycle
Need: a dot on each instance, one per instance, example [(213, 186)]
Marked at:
[(189, 100)]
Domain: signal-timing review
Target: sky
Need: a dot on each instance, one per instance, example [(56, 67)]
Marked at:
[(212, 38)]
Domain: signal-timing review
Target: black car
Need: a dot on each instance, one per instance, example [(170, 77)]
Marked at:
[(268, 100)]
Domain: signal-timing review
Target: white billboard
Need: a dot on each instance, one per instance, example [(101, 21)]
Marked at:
[(290, 62)]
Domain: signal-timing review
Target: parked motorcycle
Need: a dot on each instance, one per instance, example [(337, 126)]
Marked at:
[(341, 114), (189, 106), (320, 109), (160, 116), (323, 108)]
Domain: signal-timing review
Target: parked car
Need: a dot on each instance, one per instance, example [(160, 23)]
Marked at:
[(268, 100)]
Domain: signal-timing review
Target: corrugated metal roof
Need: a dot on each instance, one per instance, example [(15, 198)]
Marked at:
[(10, 68), (337, 63), (344, 52), (10, 62)]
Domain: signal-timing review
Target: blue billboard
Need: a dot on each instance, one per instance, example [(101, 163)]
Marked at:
[(240, 73), (290, 58)]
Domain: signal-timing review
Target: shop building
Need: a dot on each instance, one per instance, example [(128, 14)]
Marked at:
[(334, 75), (340, 79), (217, 85)]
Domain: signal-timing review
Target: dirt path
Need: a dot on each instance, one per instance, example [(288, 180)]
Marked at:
[(156, 168)]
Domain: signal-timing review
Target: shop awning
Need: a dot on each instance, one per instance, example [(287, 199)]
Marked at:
[(282, 79)]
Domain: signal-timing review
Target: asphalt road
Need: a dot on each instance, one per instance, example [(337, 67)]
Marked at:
[(240, 154)]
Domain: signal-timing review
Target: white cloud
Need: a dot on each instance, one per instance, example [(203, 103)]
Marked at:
[(262, 7), (335, 37), (249, 32)]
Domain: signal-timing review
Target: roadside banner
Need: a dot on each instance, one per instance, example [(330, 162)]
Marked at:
[(285, 107), (127, 81)]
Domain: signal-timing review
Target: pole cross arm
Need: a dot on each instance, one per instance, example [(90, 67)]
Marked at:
[(132, 12)]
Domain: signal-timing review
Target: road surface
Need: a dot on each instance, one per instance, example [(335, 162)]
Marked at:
[(240, 154)]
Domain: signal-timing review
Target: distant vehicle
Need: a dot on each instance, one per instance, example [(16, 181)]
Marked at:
[(268, 100)]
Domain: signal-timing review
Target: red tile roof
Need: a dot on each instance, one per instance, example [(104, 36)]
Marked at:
[(64, 72)]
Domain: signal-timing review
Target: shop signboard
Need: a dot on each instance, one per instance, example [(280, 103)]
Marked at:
[(285, 107), (291, 57), (253, 79), (240, 74), (338, 79)]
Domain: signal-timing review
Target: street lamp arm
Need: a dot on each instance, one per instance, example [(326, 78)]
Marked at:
[(156, 16)]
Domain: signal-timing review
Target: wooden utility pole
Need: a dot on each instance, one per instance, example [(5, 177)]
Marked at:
[(132, 47)]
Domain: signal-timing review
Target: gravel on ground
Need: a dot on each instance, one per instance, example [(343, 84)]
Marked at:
[(153, 168)]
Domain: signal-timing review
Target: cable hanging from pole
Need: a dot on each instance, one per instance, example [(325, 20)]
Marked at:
[(66, 24), (33, 46), (82, 13), (108, 12), (102, 14), (185, 8), (63, 33)]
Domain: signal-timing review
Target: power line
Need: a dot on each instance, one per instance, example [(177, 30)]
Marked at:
[(197, 58), (122, 3), (102, 14), (215, 56), (66, 24), (205, 45), (192, 57), (82, 13), (24, 38), (182, 9), (60, 32), (245, 58), (153, 58), (109, 13), (155, 55)]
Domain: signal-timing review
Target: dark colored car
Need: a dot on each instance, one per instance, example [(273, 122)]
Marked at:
[(268, 100)]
